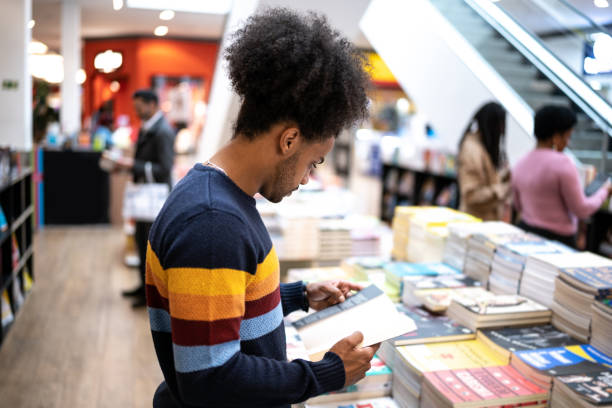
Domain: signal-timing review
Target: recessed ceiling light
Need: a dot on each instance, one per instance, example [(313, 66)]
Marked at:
[(166, 15), (117, 4), (601, 3), (37, 47), (191, 6), (160, 31), (31, 24)]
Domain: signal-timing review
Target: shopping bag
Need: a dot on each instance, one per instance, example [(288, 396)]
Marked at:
[(142, 202)]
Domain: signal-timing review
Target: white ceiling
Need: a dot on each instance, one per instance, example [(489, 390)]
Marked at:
[(98, 19)]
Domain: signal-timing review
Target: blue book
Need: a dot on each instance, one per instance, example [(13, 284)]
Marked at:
[(396, 271), (3, 222), (594, 280), (566, 360)]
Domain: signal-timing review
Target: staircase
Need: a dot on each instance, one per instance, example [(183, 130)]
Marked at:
[(589, 143)]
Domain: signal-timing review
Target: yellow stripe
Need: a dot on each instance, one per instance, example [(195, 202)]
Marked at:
[(207, 282), (260, 289), (155, 265), (269, 266), (206, 308)]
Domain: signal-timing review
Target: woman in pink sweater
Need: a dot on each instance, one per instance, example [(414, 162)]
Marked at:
[(545, 185)]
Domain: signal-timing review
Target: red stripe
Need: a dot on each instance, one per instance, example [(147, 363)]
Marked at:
[(155, 299), (262, 305), (199, 333)]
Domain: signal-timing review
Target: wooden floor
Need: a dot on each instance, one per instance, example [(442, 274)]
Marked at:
[(76, 342)]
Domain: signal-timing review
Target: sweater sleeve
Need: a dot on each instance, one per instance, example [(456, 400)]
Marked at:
[(293, 297), (573, 196), (208, 275)]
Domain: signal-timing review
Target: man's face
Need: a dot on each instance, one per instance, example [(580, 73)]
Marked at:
[(143, 109), (296, 169)]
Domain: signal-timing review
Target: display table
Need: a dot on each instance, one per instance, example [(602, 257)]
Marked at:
[(76, 190)]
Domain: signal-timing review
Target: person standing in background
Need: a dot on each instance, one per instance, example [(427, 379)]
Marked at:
[(153, 160), (546, 188), (484, 181)]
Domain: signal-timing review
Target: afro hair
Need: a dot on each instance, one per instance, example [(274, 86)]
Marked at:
[(296, 68)]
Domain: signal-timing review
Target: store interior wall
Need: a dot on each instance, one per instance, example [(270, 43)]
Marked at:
[(15, 79), (447, 79)]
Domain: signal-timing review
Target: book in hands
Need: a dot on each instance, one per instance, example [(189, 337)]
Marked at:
[(369, 311)]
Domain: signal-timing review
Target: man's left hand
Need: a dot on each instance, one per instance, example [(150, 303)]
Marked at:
[(328, 293)]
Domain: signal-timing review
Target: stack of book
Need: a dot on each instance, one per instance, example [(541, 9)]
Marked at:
[(456, 247), (583, 390), (397, 272), (505, 341), (601, 325), (490, 310), (480, 253), (335, 242), (400, 229), (317, 274), (416, 360), (365, 268), (481, 387), (415, 289), (298, 239), (509, 261), (438, 300), (542, 365), (577, 289)]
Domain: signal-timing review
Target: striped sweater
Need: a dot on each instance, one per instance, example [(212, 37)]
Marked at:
[(216, 306)]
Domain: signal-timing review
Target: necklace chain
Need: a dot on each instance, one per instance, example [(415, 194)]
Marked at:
[(211, 164)]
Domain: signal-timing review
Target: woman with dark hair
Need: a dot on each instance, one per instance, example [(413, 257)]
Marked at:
[(484, 182), (545, 185)]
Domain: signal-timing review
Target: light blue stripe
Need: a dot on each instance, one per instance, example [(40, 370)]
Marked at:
[(188, 359), (259, 326), (159, 319)]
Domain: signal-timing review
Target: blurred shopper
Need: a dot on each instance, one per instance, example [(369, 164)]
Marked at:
[(155, 156), (484, 180), (545, 184), (215, 302)]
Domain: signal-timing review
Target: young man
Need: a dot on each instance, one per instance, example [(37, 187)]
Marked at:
[(215, 302)]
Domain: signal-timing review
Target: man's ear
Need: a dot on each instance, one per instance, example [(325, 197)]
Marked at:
[(289, 140)]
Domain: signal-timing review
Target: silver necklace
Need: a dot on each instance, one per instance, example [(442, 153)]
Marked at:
[(211, 164)]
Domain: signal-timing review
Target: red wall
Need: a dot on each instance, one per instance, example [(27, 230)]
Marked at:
[(143, 58)]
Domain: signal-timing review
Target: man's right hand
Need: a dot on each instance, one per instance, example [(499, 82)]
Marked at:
[(356, 359)]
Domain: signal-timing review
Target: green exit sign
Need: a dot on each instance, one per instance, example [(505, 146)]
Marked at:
[(10, 84)]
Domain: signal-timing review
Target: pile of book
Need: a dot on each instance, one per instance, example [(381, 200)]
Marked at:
[(365, 268), (456, 247), (490, 310), (397, 273), (509, 260), (577, 288), (601, 325), (317, 274), (335, 240), (417, 291), (480, 252), (583, 390), (384, 402)]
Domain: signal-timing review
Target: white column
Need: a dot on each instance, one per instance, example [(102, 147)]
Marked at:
[(70, 112), (15, 80)]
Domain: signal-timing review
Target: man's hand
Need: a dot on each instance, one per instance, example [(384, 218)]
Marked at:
[(324, 294), (356, 359)]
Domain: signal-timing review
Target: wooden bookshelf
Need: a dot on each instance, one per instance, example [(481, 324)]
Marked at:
[(403, 185), (17, 203)]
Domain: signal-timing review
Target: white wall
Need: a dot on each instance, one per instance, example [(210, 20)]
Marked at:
[(15, 103), (442, 72)]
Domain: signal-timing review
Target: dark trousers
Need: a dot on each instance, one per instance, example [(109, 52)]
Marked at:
[(569, 240), (141, 236)]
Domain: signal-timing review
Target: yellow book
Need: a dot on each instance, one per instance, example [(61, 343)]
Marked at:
[(454, 355)]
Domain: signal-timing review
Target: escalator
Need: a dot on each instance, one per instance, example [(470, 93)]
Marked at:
[(524, 59)]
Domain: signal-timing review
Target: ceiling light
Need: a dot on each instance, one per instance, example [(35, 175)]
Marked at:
[(108, 61), (191, 6), (166, 15), (160, 31), (601, 3), (117, 4), (114, 86), (49, 67), (81, 76), (37, 47), (31, 24)]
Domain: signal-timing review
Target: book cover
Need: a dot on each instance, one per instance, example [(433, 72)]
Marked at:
[(27, 280), (438, 300), (396, 271), (498, 385), (384, 402), (595, 387), (527, 338), (7, 313), (492, 304), (3, 221), (599, 279), (369, 311), (16, 254), (431, 328), (449, 356), (17, 294), (556, 361)]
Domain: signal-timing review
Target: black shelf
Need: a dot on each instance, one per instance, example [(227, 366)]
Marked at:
[(16, 179), (22, 262)]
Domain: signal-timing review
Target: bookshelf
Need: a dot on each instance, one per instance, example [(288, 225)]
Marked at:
[(16, 240), (403, 185)]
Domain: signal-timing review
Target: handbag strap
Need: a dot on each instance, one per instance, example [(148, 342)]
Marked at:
[(148, 169)]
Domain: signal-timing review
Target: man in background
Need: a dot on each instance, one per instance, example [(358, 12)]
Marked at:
[(152, 162)]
